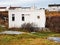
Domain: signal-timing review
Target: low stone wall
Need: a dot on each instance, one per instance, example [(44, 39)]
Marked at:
[(53, 23)]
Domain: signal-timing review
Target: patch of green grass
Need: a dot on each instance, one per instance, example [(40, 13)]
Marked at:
[(46, 34)]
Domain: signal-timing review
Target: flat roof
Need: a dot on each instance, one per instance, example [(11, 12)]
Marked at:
[(2, 7), (50, 5), (14, 7)]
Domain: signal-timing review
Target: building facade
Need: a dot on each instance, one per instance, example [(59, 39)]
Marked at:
[(54, 7), (20, 15)]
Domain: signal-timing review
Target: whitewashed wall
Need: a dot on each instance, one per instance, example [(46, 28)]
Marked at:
[(54, 8), (31, 18)]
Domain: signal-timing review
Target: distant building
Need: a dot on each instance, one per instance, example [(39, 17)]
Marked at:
[(54, 7), (20, 15)]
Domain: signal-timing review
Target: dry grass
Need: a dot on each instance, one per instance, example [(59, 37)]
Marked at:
[(28, 39), (52, 13)]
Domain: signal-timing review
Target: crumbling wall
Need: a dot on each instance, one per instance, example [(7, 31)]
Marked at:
[(53, 23)]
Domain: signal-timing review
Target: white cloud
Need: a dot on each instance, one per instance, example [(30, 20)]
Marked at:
[(39, 3)]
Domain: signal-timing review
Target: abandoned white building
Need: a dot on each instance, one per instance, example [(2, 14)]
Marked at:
[(16, 16), (20, 15)]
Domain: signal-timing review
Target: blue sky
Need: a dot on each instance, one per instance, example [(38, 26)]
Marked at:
[(38, 3)]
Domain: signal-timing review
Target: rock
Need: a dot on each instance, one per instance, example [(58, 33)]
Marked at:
[(33, 32)]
